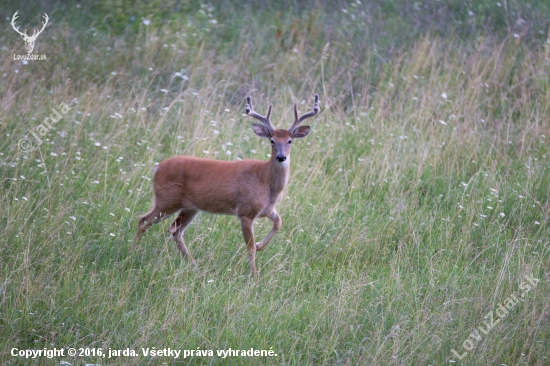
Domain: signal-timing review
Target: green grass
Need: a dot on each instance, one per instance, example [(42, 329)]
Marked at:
[(417, 204)]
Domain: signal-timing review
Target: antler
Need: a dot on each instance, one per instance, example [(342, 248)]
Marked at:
[(34, 34), (264, 120), (25, 35), (311, 113), (17, 28)]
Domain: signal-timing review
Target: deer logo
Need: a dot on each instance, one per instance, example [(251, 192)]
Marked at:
[(29, 41)]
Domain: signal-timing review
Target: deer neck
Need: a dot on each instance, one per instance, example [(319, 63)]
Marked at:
[(279, 174)]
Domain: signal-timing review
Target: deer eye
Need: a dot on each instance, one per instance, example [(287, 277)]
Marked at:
[(290, 141), (272, 142)]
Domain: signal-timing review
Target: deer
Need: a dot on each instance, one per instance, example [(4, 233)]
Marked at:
[(248, 188), (29, 41)]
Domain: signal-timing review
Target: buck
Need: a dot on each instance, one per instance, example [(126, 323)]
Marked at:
[(29, 41), (248, 189)]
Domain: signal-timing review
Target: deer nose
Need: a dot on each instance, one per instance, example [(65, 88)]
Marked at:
[(281, 158)]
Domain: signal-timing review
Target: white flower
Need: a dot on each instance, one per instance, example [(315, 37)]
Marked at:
[(146, 21), (444, 95)]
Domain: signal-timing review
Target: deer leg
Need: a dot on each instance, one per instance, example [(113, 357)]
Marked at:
[(248, 233), (277, 223), (150, 218), (178, 227)]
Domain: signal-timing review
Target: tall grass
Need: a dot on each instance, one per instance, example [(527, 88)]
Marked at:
[(417, 204)]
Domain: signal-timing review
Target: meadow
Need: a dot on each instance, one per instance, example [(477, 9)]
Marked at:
[(415, 222)]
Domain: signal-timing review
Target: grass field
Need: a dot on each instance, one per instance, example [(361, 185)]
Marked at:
[(415, 223)]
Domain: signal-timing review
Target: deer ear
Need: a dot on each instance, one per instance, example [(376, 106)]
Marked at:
[(300, 132), (261, 130)]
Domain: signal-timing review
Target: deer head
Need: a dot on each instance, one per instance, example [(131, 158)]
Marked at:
[(29, 41), (281, 140)]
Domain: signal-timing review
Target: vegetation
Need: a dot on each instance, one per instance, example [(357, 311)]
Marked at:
[(417, 205)]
